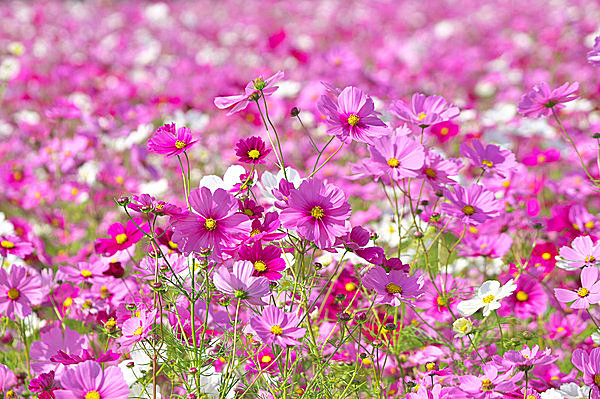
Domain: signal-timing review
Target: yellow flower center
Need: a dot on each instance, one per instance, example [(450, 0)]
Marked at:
[(444, 131), (468, 210), (583, 292), (487, 163), (590, 259), (10, 394), (441, 301), (110, 324), (18, 176), (353, 120), (276, 330), (393, 162), (138, 331), (506, 184), (430, 173), (254, 154), (260, 266), (248, 212), (68, 302), (546, 256), (266, 359), (317, 212), (367, 362), (119, 179), (210, 224), (486, 385), (7, 244), (392, 288), (541, 158), (522, 296), (92, 395), (589, 225), (488, 299), (172, 245), (121, 238), (13, 294), (597, 379), (180, 144), (254, 232), (473, 229), (350, 286), (531, 397), (104, 292), (86, 273), (422, 116), (429, 366)]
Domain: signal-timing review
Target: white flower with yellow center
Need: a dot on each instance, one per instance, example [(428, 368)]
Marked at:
[(488, 297)]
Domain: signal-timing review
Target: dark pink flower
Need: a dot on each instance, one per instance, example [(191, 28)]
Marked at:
[(472, 205), (424, 111), (122, 237), (15, 246), (542, 99), (528, 300), (541, 157), (276, 327), (267, 261), (444, 131), (251, 93), (169, 141), (353, 117), (252, 150), (491, 157), (45, 385), (213, 223), (318, 211)]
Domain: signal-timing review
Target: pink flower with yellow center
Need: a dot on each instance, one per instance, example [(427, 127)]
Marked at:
[(19, 291)]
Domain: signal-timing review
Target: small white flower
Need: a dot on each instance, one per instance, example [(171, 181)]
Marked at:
[(488, 297), (462, 327), (573, 391)]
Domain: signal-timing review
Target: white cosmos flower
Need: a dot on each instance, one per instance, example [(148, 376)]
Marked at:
[(573, 391), (230, 179), (488, 297)]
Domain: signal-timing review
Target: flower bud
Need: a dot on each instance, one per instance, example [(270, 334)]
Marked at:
[(123, 201), (343, 316), (294, 112)]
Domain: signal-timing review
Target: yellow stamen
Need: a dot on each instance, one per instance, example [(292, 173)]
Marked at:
[(393, 162), (487, 163), (350, 286), (121, 238), (210, 224), (254, 154), (248, 212), (266, 359), (468, 210), (488, 299), (422, 116), (68, 302), (172, 245), (92, 395), (260, 266), (13, 294), (7, 244), (589, 225), (353, 120), (180, 144), (393, 288), (441, 301), (138, 331), (430, 173), (583, 292), (522, 296), (254, 232), (444, 131), (86, 273), (430, 366), (546, 256), (317, 212), (276, 330)]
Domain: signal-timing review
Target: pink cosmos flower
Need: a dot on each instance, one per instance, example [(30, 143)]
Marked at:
[(54, 340), (444, 131), (489, 385), (19, 290), (529, 299), (267, 261), (15, 246), (491, 157), (240, 283), (525, 359), (213, 223), (395, 158), (122, 237), (45, 385), (169, 141), (252, 150), (587, 295), (353, 117), (541, 157), (472, 205), (136, 328), (7, 378), (87, 380), (276, 327), (424, 111), (542, 99), (438, 171), (593, 56), (85, 271), (393, 288), (589, 364), (251, 93), (318, 211), (437, 392), (582, 252)]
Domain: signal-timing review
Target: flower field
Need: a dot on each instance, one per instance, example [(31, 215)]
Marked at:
[(300, 199)]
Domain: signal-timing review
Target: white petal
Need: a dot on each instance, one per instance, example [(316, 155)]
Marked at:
[(490, 287), (212, 182), (467, 308)]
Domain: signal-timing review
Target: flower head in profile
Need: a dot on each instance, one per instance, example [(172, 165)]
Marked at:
[(424, 111), (395, 158), (19, 291), (525, 359), (542, 99), (45, 385), (121, 237), (588, 294), (169, 141), (393, 288), (593, 56), (318, 211), (352, 117), (462, 327), (251, 93), (213, 223), (88, 380), (241, 285), (589, 364), (13, 245), (252, 150), (277, 327), (488, 297), (472, 205)]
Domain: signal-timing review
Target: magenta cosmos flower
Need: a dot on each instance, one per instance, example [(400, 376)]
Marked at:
[(19, 290), (121, 237), (170, 141), (276, 327), (318, 211), (542, 99), (240, 283), (589, 364), (44, 385), (353, 117), (252, 150), (87, 380), (267, 261), (489, 385), (15, 246), (424, 111), (525, 359), (472, 205), (529, 299), (393, 288), (587, 295), (582, 252), (395, 158), (490, 157), (213, 223), (251, 93)]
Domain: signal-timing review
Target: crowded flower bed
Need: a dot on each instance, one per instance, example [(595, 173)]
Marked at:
[(329, 199)]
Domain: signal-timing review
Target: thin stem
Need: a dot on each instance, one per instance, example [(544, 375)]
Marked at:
[(327, 160)]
